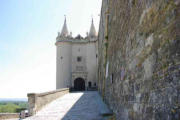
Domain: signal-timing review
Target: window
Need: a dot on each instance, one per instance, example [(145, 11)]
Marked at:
[(79, 59)]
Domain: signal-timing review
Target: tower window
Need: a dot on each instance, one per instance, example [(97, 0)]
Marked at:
[(79, 59)]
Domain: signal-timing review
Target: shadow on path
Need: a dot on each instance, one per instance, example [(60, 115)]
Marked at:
[(87, 107)]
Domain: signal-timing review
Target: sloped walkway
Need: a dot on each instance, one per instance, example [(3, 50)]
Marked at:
[(73, 106)]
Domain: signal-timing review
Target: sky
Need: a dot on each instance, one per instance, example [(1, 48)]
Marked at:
[(28, 31)]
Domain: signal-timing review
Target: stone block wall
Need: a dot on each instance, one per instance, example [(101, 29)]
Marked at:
[(4, 116), (139, 58), (37, 101)]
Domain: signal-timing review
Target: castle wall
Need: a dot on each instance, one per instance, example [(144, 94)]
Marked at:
[(139, 46), (88, 65), (78, 50), (64, 64), (37, 101), (102, 47), (91, 62), (68, 66)]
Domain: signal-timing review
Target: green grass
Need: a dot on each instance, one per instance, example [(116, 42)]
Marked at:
[(12, 107)]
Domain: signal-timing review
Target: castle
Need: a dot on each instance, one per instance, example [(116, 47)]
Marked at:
[(138, 69), (76, 61)]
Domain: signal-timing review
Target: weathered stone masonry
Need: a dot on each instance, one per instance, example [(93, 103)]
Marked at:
[(139, 46), (37, 101)]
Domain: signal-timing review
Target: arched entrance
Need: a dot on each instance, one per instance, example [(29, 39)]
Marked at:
[(79, 84)]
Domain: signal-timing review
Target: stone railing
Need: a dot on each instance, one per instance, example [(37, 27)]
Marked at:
[(4, 116), (38, 100)]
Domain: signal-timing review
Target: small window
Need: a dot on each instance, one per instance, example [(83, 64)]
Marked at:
[(112, 78), (79, 59)]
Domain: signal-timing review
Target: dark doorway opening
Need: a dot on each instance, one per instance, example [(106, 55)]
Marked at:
[(89, 84), (79, 84)]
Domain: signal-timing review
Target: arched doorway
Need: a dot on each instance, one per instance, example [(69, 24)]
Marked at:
[(79, 84)]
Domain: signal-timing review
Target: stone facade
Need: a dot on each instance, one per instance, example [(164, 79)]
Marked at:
[(8, 116), (37, 101), (139, 58), (76, 58)]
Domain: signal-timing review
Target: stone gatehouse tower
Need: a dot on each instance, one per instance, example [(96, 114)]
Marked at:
[(76, 61)]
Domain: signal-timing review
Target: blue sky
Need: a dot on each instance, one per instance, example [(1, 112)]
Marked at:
[(28, 29)]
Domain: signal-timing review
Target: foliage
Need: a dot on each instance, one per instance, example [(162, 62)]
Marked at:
[(12, 107)]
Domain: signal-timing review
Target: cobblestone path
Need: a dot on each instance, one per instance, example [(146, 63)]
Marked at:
[(73, 106)]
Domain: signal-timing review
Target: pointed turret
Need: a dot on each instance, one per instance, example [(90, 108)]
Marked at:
[(64, 32), (92, 32)]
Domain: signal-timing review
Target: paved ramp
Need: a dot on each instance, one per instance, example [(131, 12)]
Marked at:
[(73, 106)]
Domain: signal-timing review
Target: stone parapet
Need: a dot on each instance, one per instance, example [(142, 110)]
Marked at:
[(38, 100), (4, 116)]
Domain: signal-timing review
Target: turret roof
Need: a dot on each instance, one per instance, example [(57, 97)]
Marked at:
[(64, 31), (92, 32)]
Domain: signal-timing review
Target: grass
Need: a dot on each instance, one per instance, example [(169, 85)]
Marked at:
[(12, 107)]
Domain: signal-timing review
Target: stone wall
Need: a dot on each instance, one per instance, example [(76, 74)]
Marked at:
[(4, 116), (139, 49), (37, 101)]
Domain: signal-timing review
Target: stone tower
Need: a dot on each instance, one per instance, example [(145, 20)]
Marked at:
[(76, 61)]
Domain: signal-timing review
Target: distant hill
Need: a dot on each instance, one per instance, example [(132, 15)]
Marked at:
[(13, 105), (13, 99)]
